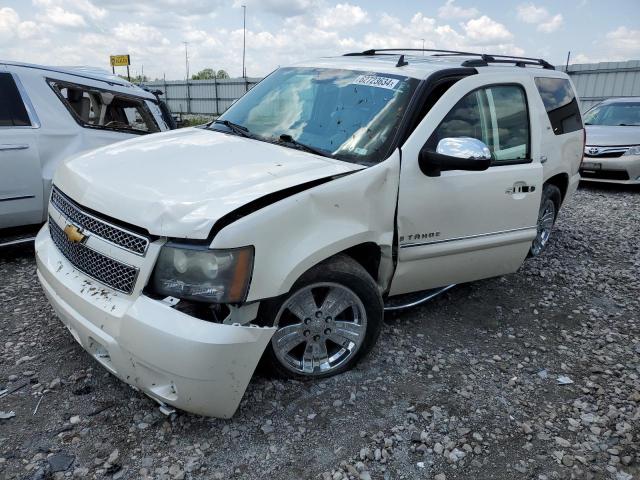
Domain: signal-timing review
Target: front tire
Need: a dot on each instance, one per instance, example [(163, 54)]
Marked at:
[(549, 207), (329, 320)]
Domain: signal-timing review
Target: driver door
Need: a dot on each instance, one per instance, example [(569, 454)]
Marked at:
[(466, 225)]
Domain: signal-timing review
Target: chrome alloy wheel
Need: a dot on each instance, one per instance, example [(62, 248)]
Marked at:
[(546, 218), (320, 327)]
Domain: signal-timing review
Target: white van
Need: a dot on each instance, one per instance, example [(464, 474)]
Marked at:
[(284, 229), (48, 114)]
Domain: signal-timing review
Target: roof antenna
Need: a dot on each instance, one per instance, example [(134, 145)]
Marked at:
[(401, 62)]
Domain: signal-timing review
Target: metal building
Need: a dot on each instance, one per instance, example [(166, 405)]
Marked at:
[(207, 97), (598, 81)]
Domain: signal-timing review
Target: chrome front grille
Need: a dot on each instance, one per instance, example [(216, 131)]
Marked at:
[(116, 275), (604, 152), (111, 233)]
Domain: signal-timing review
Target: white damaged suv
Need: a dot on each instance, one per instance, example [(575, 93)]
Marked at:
[(281, 231)]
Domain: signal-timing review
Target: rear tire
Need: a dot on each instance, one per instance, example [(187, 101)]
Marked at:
[(329, 320), (547, 215)]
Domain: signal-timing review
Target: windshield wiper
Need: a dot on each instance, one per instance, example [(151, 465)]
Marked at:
[(235, 128), (286, 138)]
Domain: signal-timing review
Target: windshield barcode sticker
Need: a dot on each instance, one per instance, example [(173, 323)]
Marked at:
[(376, 81)]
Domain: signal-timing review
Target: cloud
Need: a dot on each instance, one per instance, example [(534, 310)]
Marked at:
[(583, 58), (530, 13), (546, 23), (138, 33), (484, 30), (58, 16), (342, 15), (625, 40), (482, 35), (450, 10), (88, 8), (619, 45), (9, 21), (152, 32), (12, 26), (282, 8), (551, 25)]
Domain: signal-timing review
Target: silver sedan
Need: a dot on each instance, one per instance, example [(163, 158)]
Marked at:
[(612, 150)]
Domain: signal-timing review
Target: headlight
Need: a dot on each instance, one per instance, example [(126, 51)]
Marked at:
[(633, 151), (198, 273)]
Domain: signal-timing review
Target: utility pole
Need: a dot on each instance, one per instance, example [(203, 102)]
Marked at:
[(186, 64), (244, 38), (186, 58), (423, 47)]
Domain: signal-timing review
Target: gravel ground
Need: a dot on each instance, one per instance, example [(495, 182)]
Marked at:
[(468, 386)]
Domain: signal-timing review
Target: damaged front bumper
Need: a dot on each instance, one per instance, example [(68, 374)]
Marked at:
[(191, 364)]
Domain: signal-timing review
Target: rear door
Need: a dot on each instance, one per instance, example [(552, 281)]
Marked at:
[(21, 186), (467, 225), (563, 136)]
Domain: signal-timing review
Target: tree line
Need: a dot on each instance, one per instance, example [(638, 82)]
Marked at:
[(205, 74), (210, 74)]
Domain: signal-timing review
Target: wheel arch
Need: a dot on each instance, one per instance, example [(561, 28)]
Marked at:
[(367, 253), (561, 180)]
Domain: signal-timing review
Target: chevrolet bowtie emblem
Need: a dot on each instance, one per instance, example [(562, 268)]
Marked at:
[(73, 234)]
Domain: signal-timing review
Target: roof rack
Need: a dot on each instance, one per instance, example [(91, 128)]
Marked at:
[(483, 59)]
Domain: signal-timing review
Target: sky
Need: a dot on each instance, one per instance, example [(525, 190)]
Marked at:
[(280, 32)]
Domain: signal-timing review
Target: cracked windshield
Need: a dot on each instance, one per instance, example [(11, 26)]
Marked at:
[(350, 115)]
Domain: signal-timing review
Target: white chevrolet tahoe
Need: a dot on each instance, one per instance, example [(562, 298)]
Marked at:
[(50, 113), (280, 231)]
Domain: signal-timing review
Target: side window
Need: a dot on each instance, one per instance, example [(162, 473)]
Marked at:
[(561, 104), (511, 131), (497, 116), (13, 113), (96, 108)]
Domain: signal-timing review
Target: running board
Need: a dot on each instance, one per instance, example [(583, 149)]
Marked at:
[(16, 241), (414, 299)]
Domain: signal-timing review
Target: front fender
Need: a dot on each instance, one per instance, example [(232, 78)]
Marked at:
[(294, 234)]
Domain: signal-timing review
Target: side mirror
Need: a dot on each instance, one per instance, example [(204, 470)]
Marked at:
[(455, 153)]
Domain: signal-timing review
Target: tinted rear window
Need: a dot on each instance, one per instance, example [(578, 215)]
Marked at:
[(561, 104), (12, 110)]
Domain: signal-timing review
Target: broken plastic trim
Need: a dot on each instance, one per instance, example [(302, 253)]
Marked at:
[(209, 312), (265, 201)]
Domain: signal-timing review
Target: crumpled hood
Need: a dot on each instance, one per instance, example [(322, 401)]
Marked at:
[(178, 183), (607, 136)]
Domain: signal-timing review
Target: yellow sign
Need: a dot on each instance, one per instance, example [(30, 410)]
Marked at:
[(120, 60)]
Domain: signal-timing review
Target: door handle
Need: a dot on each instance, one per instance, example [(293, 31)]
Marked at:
[(6, 147), (520, 187), (543, 159)]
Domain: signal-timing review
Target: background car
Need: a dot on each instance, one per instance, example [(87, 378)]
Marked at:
[(50, 113), (612, 150)]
